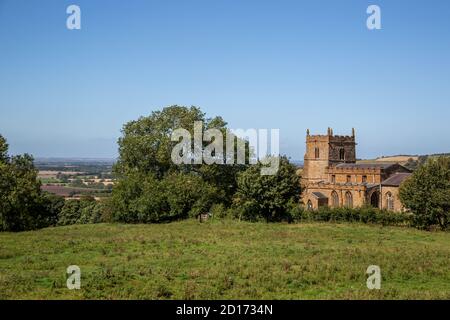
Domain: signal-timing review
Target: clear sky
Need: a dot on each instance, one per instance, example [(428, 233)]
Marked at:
[(281, 64)]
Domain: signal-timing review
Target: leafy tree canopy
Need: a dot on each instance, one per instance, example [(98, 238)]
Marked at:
[(146, 147), (427, 193), (3, 149), (21, 204), (267, 196)]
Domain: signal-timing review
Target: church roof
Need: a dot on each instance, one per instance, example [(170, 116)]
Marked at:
[(319, 195), (365, 165), (396, 179)]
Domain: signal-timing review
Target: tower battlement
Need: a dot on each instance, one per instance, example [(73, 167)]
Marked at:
[(330, 135), (325, 150)]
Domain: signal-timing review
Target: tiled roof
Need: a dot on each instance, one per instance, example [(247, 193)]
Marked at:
[(396, 179), (319, 195), (365, 165)]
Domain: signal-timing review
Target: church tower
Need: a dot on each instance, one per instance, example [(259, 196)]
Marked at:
[(324, 151)]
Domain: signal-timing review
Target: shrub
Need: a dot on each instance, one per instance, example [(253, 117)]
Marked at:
[(78, 211), (267, 196), (149, 203), (70, 213), (294, 211), (105, 209), (89, 213), (219, 211), (188, 195), (145, 199), (52, 204), (363, 215)]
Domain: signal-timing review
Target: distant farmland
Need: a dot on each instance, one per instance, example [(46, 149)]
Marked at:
[(53, 174), (74, 177), (68, 192), (397, 159)]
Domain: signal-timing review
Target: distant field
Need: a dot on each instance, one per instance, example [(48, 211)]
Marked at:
[(65, 191), (225, 259), (53, 174), (397, 158)]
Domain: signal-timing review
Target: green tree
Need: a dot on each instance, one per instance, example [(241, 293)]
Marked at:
[(77, 211), (267, 196), (139, 198), (146, 147), (3, 150), (70, 213), (89, 213), (23, 206), (145, 199), (427, 193), (189, 195), (20, 195), (52, 205)]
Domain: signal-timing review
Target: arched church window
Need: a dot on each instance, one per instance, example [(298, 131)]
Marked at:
[(334, 199), (390, 201), (348, 199), (375, 199), (309, 205), (341, 154), (317, 153)]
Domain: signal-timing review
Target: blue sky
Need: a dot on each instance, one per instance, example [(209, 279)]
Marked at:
[(281, 64)]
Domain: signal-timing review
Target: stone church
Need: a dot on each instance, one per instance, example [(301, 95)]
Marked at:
[(331, 177)]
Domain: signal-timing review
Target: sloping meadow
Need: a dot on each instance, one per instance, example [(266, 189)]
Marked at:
[(225, 259)]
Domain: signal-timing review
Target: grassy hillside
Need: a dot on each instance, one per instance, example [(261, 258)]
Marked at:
[(225, 259)]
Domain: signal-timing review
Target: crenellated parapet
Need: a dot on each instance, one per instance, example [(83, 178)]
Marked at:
[(353, 170), (325, 150)]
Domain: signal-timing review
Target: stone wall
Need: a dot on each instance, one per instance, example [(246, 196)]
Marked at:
[(314, 168), (358, 194), (361, 196), (374, 176), (396, 203)]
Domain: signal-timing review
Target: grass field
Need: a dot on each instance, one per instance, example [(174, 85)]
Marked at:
[(225, 259)]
